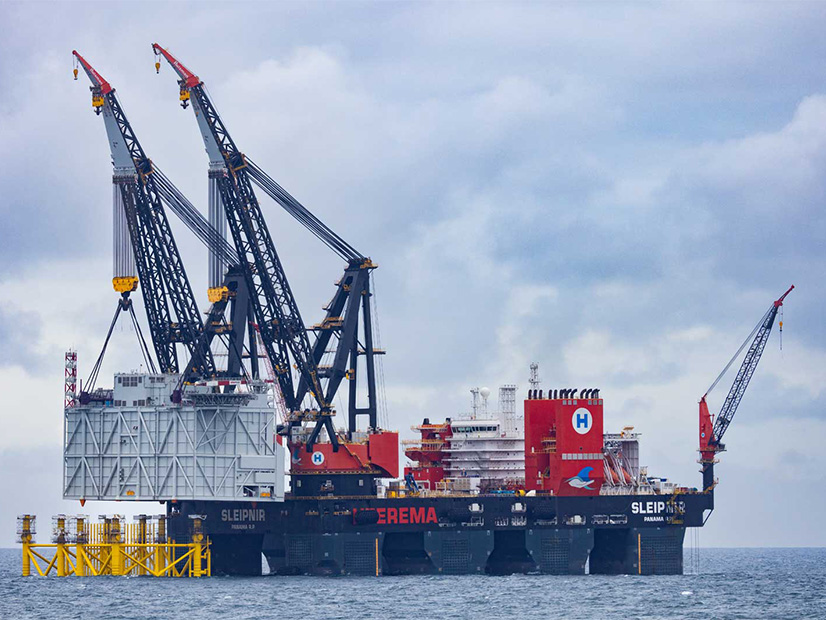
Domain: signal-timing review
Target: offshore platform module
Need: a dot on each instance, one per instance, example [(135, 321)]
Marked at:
[(231, 395)]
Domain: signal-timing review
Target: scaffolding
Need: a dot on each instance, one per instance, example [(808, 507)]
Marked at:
[(113, 547)]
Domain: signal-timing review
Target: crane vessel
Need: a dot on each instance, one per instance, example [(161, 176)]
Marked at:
[(538, 486)]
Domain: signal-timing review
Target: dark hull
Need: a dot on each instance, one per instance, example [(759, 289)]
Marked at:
[(449, 535)]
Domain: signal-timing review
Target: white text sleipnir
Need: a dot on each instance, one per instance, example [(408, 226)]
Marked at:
[(243, 514)]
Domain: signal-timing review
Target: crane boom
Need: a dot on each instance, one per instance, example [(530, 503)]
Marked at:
[(351, 307), (278, 318), (170, 304), (711, 435)]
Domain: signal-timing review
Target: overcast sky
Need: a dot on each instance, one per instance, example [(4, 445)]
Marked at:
[(616, 191)]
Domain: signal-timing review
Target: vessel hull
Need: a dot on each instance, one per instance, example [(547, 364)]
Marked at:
[(504, 534)]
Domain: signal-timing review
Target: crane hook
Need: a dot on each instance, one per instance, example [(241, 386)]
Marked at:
[(781, 328), (157, 60), (74, 69)]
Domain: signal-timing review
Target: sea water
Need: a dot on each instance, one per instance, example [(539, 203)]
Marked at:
[(731, 583)]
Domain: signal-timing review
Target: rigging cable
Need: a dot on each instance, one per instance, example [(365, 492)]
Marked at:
[(189, 215), (384, 415), (90, 382), (147, 356), (124, 304), (740, 350)]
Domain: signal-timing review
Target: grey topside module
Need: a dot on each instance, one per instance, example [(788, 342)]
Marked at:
[(134, 443)]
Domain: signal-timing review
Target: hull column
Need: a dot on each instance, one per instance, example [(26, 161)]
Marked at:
[(560, 551), (459, 552), (638, 551), (337, 553), (236, 554)]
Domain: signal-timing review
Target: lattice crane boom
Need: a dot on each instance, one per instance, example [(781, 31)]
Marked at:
[(711, 433), (278, 318), (350, 309), (171, 308)]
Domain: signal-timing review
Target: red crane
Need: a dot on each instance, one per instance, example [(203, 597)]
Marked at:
[(713, 429)]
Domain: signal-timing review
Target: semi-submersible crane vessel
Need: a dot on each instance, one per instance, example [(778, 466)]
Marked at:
[(536, 488)]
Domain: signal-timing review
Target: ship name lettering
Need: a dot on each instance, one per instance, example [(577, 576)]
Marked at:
[(647, 508), (243, 514), (406, 515)]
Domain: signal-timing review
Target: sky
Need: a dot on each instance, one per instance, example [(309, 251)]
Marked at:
[(616, 191)]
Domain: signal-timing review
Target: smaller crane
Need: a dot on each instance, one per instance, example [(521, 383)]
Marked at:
[(713, 429)]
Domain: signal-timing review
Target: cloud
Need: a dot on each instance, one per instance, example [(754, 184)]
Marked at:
[(616, 195), (19, 331)]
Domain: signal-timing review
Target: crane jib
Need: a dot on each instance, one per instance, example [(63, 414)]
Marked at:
[(171, 309), (279, 323), (712, 432), (760, 335), (277, 314), (166, 260)]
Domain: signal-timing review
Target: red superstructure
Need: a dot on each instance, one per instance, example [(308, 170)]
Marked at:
[(428, 452), (563, 445), (378, 454)]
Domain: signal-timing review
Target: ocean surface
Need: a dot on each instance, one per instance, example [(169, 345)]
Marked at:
[(732, 583)]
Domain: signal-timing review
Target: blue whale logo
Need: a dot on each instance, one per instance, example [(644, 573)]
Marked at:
[(582, 480)]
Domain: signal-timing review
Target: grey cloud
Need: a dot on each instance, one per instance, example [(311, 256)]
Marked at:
[(642, 169), (20, 335)]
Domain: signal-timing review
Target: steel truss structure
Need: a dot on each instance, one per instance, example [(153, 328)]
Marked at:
[(211, 446)]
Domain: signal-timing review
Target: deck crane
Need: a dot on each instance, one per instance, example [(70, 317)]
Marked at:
[(143, 188), (713, 429), (280, 323)]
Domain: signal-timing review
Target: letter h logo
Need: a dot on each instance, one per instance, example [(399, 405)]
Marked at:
[(582, 420)]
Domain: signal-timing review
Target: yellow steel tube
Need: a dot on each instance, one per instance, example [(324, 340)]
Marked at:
[(60, 557), (60, 553), (80, 561), (116, 565), (196, 560), (141, 539), (26, 538), (197, 542), (27, 563), (50, 564), (81, 538), (71, 568)]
